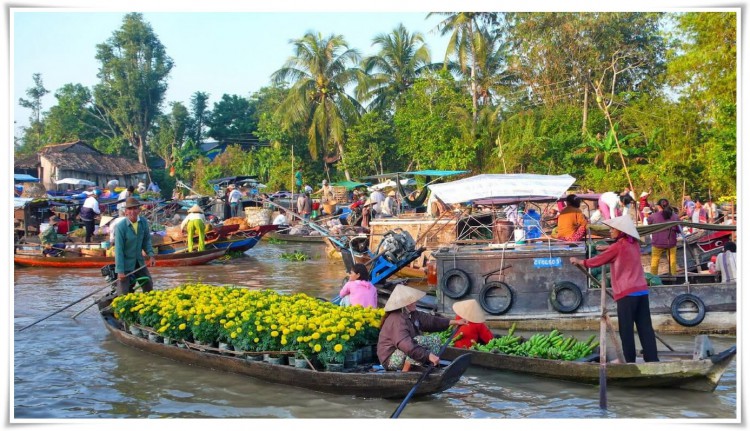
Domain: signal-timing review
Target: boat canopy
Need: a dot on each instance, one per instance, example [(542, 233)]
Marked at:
[(519, 186), (429, 173), (25, 178), (75, 182), (350, 185), (234, 180)]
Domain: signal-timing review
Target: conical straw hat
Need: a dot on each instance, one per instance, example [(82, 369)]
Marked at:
[(195, 209), (624, 224), (470, 310), (402, 296)]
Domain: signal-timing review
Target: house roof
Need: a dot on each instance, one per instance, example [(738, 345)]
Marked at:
[(79, 156), (27, 162)]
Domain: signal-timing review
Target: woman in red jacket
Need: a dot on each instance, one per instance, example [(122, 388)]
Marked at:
[(475, 331), (629, 287)]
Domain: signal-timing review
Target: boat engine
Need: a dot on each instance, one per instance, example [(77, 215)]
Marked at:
[(396, 246)]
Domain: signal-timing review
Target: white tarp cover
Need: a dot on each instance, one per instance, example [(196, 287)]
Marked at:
[(391, 183), (75, 182), (502, 185)]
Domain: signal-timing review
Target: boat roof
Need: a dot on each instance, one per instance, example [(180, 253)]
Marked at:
[(519, 187), (349, 184), (513, 200), (234, 179), (428, 173)]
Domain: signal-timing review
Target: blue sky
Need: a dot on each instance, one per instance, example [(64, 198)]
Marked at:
[(218, 53)]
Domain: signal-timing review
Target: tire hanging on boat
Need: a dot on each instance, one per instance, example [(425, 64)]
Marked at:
[(455, 283), (560, 292), (681, 300), (496, 297)]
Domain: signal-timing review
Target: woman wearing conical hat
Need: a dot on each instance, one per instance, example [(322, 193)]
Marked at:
[(401, 341), (196, 223), (475, 331), (629, 287)]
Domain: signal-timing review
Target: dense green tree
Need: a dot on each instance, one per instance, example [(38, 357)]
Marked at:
[(402, 57), (199, 116), (232, 120), (320, 71), (169, 134), (371, 146), (430, 125), (133, 72)]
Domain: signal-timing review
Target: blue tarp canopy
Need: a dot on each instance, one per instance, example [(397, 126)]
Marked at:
[(25, 178), (350, 185)]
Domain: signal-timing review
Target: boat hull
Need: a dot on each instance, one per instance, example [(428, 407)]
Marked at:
[(364, 384), (171, 260), (671, 372), (536, 279)]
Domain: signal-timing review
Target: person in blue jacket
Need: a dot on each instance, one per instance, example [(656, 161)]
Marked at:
[(132, 240)]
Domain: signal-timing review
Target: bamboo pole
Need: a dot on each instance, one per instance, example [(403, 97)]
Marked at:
[(603, 344)]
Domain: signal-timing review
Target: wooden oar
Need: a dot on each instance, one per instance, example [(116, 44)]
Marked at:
[(603, 345), (595, 281), (424, 375), (79, 300)]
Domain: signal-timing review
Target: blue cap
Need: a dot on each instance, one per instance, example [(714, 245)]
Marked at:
[(97, 192)]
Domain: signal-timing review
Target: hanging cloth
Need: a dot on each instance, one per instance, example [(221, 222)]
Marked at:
[(416, 202)]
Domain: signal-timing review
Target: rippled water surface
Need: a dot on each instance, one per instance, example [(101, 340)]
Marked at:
[(73, 369)]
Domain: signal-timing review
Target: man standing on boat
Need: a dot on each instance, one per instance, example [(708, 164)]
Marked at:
[(234, 200), (629, 287), (89, 211), (132, 239)]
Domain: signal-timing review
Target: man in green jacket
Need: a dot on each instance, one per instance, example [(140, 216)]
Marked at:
[(52, 242), (132, 238)]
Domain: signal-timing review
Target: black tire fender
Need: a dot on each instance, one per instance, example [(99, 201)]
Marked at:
[(563, 286), (455, 283), (682, 299), (503, 289)]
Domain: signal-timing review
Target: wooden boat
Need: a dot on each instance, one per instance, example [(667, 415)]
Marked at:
[(296, 238), (675, 370), (240, 241), (162, 260), (363, 383)]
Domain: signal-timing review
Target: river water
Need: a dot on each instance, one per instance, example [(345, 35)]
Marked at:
[(64, 369)]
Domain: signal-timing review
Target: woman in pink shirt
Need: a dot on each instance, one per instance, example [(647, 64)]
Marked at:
[(358, 289), (629, 287)]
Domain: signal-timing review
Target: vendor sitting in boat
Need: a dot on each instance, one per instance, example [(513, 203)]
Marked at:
[(571, 223), (401, 343), (53, 244), (474, 332)]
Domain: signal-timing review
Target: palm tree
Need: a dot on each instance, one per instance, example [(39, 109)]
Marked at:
[(401, 59), (462, 26), (319, 72)]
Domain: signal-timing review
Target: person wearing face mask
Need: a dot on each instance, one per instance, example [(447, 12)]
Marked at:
[(132, 239)]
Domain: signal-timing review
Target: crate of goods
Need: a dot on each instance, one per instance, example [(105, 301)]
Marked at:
[(257, 216), (340, 194)]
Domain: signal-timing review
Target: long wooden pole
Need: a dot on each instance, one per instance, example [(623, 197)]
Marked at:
[(603, 344)]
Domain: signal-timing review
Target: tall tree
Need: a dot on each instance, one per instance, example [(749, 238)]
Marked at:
[(462, 43), (401, 59), (169, 134), (34, 102), (133, 79), (320, 71), (232, 120), (200, 115)]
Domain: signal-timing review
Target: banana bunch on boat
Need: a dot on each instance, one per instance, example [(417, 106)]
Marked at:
[(546, 346)]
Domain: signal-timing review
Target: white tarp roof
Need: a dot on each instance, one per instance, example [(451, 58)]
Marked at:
[(75, 181), (391, 183), (502, 185)]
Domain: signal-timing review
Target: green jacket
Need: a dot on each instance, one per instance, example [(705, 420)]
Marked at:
[(129, 245), (49, 236)]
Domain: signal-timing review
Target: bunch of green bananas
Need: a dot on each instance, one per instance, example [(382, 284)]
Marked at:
[(547, 346)]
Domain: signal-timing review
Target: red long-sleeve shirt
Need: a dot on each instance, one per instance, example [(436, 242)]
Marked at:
[(472, 332), (624, 258)]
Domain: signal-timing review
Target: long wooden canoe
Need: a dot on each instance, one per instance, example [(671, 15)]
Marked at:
[(162, 260), (375, 384), (297, 238), (238, 240), (675, 370)]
